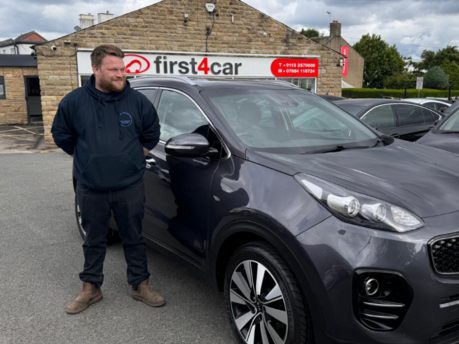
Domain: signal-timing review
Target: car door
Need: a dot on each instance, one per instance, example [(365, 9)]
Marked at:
[(382, 118), (412, 124), (178, 189)]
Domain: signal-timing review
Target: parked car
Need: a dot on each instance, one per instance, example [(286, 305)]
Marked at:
[(395, 118), (317, 228), (445, 135), (439, 105)]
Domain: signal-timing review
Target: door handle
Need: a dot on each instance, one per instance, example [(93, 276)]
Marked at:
[(395, 136), (150, 160)]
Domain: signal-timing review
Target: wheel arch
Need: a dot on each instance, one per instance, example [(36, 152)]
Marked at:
[(239, 233)]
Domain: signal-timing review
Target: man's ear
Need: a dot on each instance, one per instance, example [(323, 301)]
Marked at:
[(95, 70)]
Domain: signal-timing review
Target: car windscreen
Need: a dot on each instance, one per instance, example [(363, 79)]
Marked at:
[(287, 121), (450, 124)]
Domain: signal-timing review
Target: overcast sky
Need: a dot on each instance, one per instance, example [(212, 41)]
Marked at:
[(413, 25)]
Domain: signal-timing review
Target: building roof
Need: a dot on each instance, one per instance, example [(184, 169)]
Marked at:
[(17, 61), (31, 37), (26, 35)]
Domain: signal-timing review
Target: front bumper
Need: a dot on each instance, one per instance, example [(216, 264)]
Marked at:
[(339, 250)]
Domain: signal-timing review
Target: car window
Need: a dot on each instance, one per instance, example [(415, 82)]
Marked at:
[(452, 123), (431, 105), (381, 117), (286, 121), (178, 115), (409, 115), (149, 93)]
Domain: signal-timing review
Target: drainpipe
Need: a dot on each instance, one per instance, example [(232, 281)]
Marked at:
[(16, 48)]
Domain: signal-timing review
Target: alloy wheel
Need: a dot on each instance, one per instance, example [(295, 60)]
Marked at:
[(258, 305)]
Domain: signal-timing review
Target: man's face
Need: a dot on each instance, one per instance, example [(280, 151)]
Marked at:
[(111, 75)]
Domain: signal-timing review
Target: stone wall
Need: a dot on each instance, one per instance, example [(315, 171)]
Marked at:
[(161, 27), (13, 109)]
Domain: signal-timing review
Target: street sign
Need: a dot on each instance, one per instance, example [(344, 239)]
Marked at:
[(419, 83)]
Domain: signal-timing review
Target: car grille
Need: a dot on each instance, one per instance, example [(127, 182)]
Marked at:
[(445, 255)]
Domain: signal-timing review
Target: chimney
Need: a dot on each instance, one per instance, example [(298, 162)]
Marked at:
[(335, 28), (86, 20), (104, 17)]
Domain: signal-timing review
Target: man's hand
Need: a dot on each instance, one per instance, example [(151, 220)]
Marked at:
[(145, 151)]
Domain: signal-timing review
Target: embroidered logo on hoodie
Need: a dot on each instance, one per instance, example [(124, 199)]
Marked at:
[(125, 119)]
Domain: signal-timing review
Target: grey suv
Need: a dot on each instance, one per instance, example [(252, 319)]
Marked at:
[(317, 228)]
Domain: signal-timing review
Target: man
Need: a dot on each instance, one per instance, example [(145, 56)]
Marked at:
[(108, 128)]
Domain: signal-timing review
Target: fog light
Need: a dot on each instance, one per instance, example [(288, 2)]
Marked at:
[(348, 206), (371, 286)]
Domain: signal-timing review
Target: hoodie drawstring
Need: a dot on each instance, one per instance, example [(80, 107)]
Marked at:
[(99, 120), (121, 136)]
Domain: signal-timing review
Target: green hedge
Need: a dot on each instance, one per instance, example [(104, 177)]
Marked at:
[(375, 93)]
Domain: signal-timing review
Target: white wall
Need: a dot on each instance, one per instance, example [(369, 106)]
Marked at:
[(24, 49)]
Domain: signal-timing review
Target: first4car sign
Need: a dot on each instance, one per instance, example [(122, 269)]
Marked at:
[(210, 66)]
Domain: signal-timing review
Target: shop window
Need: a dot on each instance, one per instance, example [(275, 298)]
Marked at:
[(2, 88)]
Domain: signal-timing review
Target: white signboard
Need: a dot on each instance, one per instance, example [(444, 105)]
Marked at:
[(419, 83), (210, 66)]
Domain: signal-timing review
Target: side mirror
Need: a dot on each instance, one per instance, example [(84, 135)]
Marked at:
[(386, 140), (189, 146)]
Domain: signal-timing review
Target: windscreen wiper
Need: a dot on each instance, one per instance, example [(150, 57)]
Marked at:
[(449, 132), (337, 148)]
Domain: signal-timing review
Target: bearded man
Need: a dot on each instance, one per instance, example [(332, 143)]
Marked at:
[(108, 128)]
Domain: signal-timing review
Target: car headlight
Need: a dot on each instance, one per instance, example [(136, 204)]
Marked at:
[(359, 209)]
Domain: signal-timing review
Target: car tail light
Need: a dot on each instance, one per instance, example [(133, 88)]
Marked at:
[(381, 299)]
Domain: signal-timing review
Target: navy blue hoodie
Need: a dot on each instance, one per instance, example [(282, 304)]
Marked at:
[(106, 133)]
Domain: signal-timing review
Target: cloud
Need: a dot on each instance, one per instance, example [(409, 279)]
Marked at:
[(413, 25)]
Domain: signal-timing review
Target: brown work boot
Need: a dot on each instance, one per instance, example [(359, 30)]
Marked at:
[(89, 295), (145, 294)]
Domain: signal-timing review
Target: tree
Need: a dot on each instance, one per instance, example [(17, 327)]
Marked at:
[(311, 33), (381, 60), (400, 81), (431, 59), (451, 69), (436, 78)]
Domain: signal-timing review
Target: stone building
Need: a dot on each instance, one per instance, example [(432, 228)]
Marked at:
[(19, 90), (184, 32), (354, 64)]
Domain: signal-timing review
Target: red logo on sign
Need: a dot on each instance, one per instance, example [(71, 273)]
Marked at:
[(296, 68), (138, 65), (345, 52)]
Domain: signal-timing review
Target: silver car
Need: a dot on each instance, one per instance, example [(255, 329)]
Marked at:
[(435, 104)]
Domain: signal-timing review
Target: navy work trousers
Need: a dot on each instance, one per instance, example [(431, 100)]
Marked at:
[(128, 209)]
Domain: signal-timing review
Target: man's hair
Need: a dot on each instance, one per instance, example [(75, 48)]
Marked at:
[(101, 51)]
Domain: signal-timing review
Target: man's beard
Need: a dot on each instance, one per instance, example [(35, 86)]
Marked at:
[(110, 87)]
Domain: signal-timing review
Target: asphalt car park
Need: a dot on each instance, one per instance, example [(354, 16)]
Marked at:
[(41, 256)]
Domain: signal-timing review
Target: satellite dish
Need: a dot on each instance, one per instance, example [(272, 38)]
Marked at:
[(77, 28)]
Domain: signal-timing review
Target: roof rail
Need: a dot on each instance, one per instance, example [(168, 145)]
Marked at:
[(183, 79), (262, 81)]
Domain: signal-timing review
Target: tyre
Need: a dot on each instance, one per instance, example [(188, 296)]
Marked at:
[(263, 299), (112, 235)]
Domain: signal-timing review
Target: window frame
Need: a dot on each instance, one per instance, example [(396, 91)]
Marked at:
[(2, 82)]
